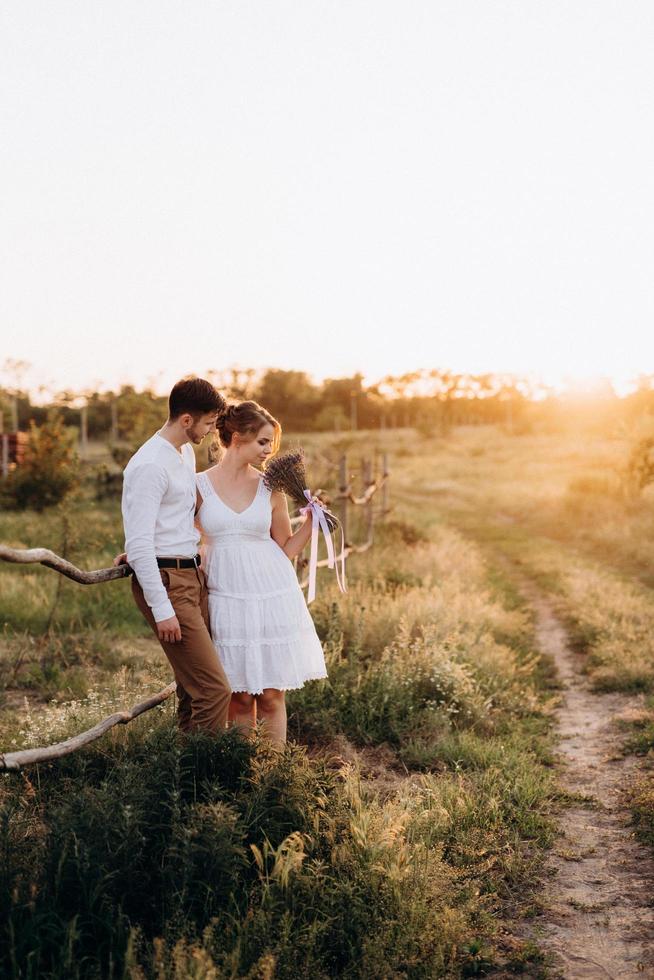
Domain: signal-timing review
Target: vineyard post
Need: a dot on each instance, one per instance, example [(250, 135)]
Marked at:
[(114, 420), (343, 492), (385, 475), (84, 430), (368, 479), (5, 455)]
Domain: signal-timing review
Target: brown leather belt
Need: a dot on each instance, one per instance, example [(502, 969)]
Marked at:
[(179, 562)]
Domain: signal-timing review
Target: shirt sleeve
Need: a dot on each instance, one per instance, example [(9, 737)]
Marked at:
[(143, 498)]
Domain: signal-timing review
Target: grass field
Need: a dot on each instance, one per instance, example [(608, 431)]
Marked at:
[(403, 831)]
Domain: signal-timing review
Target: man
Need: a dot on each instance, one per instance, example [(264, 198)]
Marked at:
[(161, 544)]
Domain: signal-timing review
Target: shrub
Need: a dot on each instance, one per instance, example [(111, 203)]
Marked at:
[(108, 483), (157, 850), (50, 468), (400, 532), (640, 466)]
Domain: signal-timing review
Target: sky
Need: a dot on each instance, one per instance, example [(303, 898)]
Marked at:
[(364, 186)]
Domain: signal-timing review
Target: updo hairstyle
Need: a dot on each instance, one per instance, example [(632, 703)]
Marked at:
[(246, 418)]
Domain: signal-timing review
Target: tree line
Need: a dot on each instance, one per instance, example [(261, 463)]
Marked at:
[(429, 400)]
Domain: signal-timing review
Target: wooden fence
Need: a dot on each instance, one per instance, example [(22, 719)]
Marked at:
[(373, 482)]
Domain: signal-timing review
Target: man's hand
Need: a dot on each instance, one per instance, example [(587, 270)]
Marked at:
[(169, 631), (120, 559)]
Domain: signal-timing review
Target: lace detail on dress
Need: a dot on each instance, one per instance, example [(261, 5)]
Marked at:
[(204, 486)]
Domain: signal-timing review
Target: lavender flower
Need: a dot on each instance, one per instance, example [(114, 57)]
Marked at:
[(287, 473)]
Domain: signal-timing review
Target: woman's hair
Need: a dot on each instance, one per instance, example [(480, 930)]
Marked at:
[(195, 396), (246, 418)]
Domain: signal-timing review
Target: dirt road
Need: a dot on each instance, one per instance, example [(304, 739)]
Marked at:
[(598, 920)]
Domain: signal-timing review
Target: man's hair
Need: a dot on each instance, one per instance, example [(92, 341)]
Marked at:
[(195, 396)]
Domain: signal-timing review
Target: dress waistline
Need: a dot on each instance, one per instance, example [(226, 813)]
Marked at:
[(240, 534), (254, 595)]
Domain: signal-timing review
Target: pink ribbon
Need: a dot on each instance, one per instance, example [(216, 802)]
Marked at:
[(319, 523)]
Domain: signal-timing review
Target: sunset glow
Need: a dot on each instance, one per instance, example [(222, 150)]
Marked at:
[(451, 188)]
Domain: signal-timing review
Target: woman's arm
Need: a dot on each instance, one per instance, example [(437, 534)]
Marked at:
[(280, 528)]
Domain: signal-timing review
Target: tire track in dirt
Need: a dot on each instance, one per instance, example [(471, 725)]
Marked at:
[(598, 918)]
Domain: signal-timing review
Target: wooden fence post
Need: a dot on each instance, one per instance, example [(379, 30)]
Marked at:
[(83, 430), (385, 476), (343, 492), (5, 455), (368, 479)]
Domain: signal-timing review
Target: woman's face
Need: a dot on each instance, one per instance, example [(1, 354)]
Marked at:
[(257, 450)]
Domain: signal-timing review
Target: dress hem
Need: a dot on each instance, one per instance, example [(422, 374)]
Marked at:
[(293, 687)]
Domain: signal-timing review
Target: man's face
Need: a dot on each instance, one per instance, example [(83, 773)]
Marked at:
[(201, 427)]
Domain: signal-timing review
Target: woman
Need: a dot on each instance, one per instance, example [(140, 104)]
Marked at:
[(260, 623)]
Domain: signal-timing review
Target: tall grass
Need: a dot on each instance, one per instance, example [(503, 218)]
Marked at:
[(412, 663), (148, 855), (558, 506), (91, 535)]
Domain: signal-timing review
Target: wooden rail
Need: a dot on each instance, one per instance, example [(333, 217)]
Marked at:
[(346, 499), (24, 757), (44, 556)]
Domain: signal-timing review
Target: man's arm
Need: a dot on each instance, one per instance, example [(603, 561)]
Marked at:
[(141, 504)]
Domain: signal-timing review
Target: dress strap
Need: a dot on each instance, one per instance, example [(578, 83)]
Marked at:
[(204, 485), (263, 488)]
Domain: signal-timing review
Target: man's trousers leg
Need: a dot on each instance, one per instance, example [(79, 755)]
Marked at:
[(202, 686)]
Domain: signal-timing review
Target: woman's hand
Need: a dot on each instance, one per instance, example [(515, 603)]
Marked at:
[(120, 559), (314, 500)]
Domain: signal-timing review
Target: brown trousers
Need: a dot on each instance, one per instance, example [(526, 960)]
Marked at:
[(203, 690)]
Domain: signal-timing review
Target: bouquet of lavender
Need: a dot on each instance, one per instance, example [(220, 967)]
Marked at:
[(287, 473)]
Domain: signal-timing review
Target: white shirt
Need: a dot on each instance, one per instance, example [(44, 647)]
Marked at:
[(158, 512)]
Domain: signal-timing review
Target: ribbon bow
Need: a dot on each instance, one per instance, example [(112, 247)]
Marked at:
[(319, 523)]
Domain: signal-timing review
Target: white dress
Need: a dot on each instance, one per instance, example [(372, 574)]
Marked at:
[(260, 623)]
